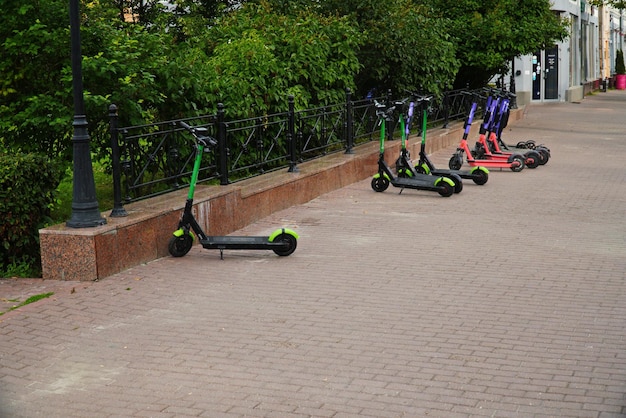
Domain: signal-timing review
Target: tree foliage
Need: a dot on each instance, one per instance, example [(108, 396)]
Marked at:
[(490, 33), (158, 62), (33, 95), (406, 46), (618, 4), (121, 63), (258, 56)]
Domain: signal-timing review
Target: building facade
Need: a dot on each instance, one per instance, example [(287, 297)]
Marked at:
[(568, 69)]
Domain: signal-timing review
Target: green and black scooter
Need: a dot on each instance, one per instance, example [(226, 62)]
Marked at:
[(478, 174), (283, 241), (404, 165), (384, 177)]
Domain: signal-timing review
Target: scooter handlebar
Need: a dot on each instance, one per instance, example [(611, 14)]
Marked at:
[(198, 133), (419, 98), (382, 109), (185, 125)]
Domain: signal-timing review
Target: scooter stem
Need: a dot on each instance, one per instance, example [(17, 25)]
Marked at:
[(196, 170), (383, 123)]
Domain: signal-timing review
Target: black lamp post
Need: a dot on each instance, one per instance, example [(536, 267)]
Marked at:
[(85, 211)]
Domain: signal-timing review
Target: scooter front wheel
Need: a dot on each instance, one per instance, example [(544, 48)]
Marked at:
[(380, 183), (179, 246), (290, 244), (455, 163)]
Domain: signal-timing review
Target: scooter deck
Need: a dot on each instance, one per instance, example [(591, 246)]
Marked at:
[(497, 157), (413, 183), (464, 174), (238, 243), (489, 163)]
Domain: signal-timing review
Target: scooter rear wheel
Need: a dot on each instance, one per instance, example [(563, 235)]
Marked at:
[(545, 155), (179, 246), (291, 244), (445, 189), (480, 177), (458, 182), (533, 159), (520, 163)]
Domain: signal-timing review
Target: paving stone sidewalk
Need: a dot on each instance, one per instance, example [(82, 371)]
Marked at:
[(507, 300)]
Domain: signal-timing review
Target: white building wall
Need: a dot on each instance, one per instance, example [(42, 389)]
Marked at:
[(579, 56)]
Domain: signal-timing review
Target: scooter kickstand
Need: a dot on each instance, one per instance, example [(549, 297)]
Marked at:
[(221, 254)]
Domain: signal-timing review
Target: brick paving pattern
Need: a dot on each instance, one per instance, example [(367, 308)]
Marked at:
[(506, 300)]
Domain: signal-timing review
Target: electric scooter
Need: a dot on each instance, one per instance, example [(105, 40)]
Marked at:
[(515, 162), (381, 180), (482, 149), (283, 241), (497, 145), (478, 174), (404, 165)]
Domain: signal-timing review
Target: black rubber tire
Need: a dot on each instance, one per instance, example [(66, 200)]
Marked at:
[(545, 155), (179, 246), (404, 173), (520, 166), (532, 159), (290, 240), (456, 162), (458, 182), (380, 184), (419, 169), (446, 189), (480, 177)]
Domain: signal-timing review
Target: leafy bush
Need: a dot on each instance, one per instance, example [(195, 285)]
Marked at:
[(27, 184), (254, 58)]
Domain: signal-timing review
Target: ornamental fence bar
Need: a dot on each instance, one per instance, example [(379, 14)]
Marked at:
[(153, 159)]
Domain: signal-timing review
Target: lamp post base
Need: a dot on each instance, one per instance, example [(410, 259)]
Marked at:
[(85, 211)]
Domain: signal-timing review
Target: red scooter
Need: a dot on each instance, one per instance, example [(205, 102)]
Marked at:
[(514, 162), (484, 146), (494, 140)]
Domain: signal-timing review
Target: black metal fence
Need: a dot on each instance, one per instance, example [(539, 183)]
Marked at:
[(153, 159)]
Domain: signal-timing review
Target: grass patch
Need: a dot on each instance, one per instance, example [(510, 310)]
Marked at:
[(30, 300), (25, 267)]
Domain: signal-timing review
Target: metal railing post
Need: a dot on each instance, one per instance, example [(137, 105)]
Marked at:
[(349, 123), (291, 135), (118, 209), (446, 110), (222, 145), (391, 126)]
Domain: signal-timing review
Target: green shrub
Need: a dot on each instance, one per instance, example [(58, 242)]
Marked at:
[(27, 184), (620, 68)]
